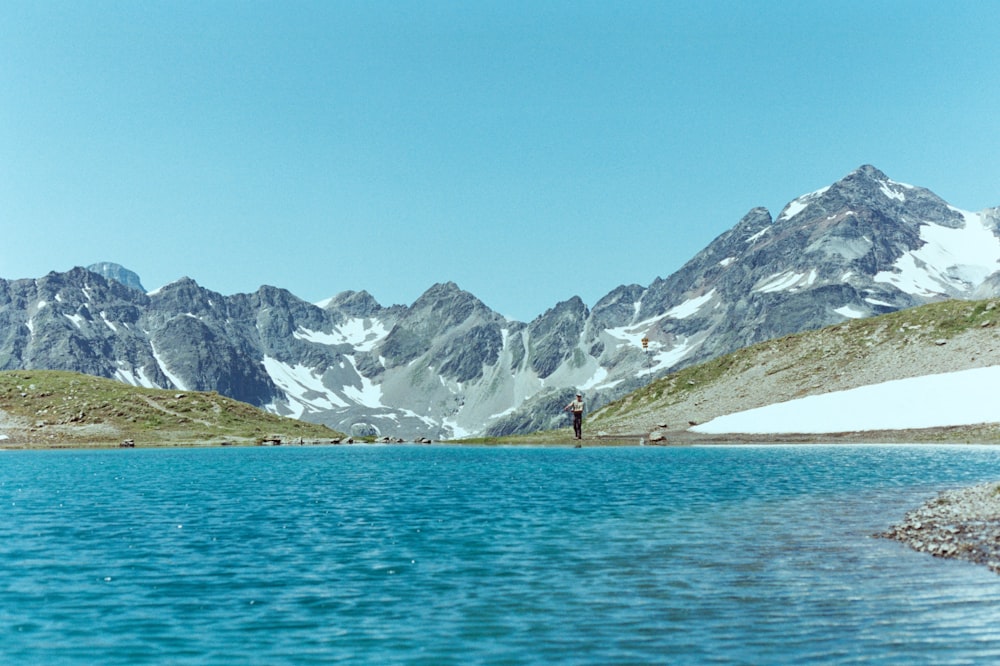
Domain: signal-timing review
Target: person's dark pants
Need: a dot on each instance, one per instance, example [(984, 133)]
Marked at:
[(578, 424)]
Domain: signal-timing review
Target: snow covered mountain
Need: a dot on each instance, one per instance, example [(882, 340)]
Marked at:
[(862, 246), (449, 366)]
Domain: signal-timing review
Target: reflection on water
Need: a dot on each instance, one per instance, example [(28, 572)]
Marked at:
[(466, 555)]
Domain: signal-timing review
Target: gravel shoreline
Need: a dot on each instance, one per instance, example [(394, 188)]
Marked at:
[(959, 524)]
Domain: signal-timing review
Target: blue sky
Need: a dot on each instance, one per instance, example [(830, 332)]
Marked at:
[(528, 151)]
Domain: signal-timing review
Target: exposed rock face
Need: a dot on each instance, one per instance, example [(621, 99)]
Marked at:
[(354, 304), (555, 335), (364, 430), (959, 524), (847, 250), (451, 330), (544, 412), (449, 366), (118, 273)]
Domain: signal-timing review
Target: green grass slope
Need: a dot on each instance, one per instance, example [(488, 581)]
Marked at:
[(47, 408), (941, 337)]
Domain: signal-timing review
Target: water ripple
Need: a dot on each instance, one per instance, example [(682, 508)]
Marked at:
[(442, 555)]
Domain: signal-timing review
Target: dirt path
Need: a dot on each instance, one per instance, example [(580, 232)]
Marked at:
[(158, 406)]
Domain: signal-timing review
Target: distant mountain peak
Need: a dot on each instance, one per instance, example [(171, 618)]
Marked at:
[(868, 171), (353, 303), (118, 273)]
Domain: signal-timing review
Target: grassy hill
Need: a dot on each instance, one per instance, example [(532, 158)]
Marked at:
[(47, 408), (941, 337)]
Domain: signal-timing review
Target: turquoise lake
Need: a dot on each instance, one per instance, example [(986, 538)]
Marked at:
[(461, 555)]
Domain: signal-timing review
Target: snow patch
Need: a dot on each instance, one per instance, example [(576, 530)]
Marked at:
[(941, 400), (457, 431), (727, 261), (757, 235), (509, 410), (786, 281), (634, 333), (361, 334), (793, 209), (659, 356), (851, 312), (126, 377), (951, 260), (666, 358), (885, 187), (369, 395), (109, 323), (162, 362), (303, 386), (595, 380), (800, 204), (319, 337), (690, 306), (129, 377), (76, 319)]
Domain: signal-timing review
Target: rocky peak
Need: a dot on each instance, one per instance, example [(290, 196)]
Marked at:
[(555, 334), (753, 222), (868, 192), (118, 273), (867, 172), (80, 286), (280, 313), (618, 308), (185, 295), (353, 304), (451, 328), (442, 307)]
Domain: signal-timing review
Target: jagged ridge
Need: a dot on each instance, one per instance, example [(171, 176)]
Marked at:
[(448, 366)]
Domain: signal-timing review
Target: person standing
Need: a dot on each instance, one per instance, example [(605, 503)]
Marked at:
[(577, 408)]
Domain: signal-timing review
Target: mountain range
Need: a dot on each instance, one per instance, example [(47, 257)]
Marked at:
[(447, 366)]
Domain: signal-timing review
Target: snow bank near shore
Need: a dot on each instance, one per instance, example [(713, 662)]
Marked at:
[(948, 399)]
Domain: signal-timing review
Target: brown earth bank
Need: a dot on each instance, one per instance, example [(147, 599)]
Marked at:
[(16, 434), (981, 434)]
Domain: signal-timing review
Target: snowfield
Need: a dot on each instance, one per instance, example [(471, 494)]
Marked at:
[(950, 261), (947, 399)]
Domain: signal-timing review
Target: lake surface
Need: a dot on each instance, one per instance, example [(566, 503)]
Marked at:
[(449, 555)]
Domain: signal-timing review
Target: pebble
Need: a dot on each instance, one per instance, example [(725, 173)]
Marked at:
[(959, 524)]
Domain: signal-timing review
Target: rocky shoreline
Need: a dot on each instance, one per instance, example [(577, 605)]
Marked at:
[(959, 524)]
